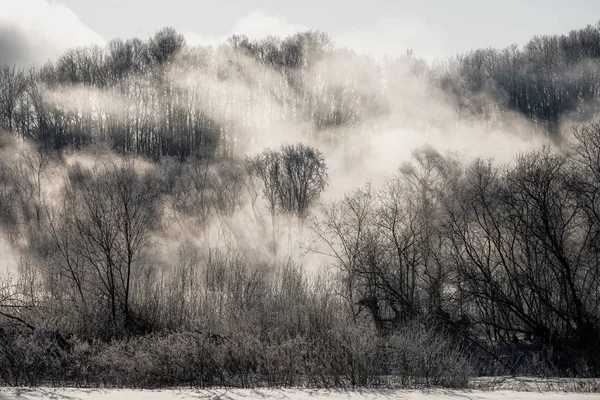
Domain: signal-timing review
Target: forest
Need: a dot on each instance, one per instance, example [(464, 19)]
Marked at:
[(286, 212)]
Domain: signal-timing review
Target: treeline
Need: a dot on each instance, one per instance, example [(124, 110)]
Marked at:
[(551, 78), (163, 98)]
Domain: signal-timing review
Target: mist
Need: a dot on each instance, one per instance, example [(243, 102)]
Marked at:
[(157, 186), (365, 115)]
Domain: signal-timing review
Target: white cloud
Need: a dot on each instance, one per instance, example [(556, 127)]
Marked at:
[(259, 24), (32, 31), (394, 36), (387, 37), (256, 25)]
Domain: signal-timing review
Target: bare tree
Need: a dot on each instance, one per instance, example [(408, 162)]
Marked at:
[(304, 178), (109, 217), (13, 83)]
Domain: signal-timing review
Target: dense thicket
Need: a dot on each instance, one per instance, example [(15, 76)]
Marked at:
[(498, 254), (155, 245)]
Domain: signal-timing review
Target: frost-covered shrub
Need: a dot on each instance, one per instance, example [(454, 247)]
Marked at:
[(420, 355), (30, 358), (175, 359)]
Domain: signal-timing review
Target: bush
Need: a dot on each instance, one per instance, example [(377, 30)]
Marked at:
[(420, 355), (31, 358)]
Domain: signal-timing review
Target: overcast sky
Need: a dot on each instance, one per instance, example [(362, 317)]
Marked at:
[(434, 28)]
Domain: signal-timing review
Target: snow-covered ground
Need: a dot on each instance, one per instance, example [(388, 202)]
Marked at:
[(284, 394)]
